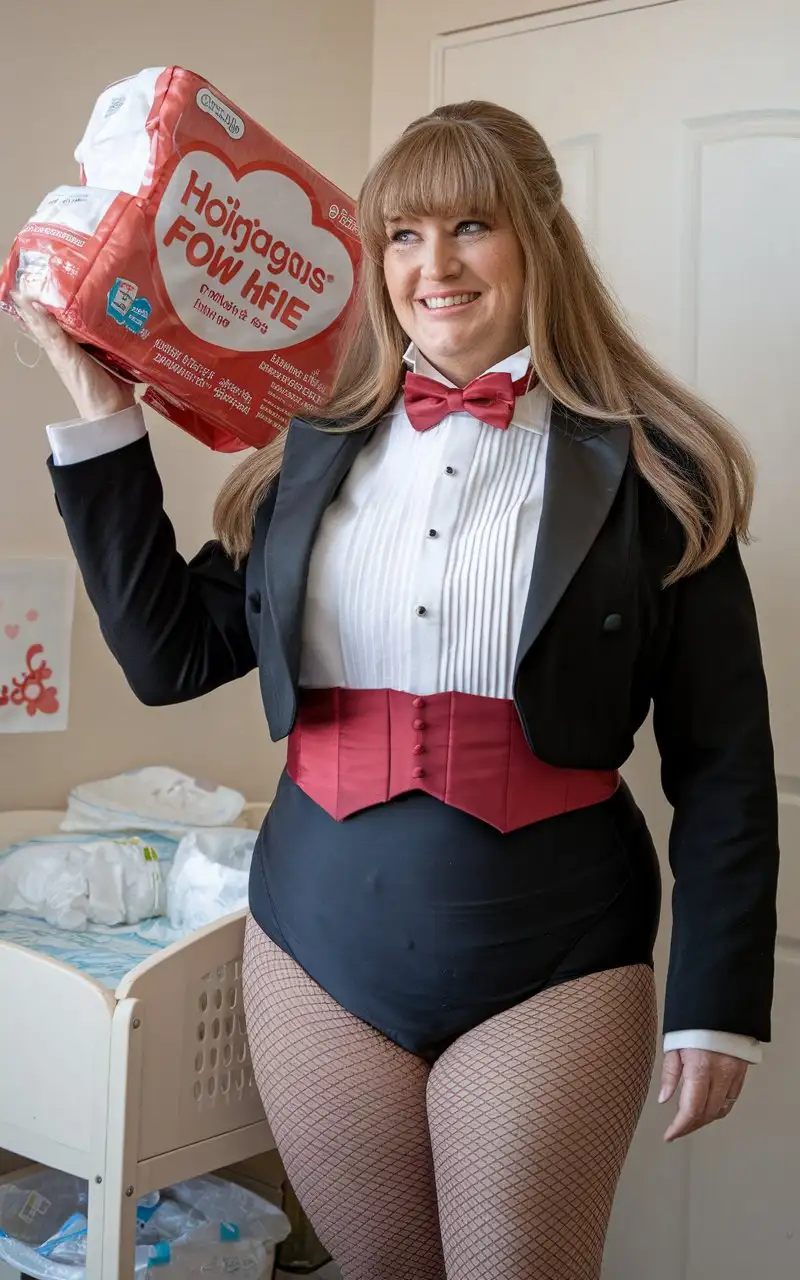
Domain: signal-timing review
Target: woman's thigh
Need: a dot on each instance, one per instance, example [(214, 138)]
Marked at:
[(531, 1116), (347, 1108)]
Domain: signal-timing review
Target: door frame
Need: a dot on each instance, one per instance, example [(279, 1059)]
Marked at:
[(484, 32)]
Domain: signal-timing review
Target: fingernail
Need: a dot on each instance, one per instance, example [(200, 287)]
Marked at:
[(664, 1094)]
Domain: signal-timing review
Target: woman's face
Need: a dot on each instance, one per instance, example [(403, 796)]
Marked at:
[(457, 286)]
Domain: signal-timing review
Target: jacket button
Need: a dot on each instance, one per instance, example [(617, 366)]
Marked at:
[(613, 622), (254, 600), (417, 773)]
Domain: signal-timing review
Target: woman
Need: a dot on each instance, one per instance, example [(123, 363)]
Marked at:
[(463, 590)]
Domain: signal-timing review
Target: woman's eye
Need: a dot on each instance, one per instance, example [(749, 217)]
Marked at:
[(469, 227)]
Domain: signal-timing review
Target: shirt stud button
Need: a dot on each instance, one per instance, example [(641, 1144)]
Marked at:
[(421, 610), (613, 622), (417, 773), (433, 533), (449, 471)]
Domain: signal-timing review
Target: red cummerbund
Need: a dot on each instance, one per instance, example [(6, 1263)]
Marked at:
[(354, 748)]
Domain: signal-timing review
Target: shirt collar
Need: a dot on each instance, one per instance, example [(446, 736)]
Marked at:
[(531, 411)]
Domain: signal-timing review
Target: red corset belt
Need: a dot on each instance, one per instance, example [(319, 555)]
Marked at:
[(354, 748)]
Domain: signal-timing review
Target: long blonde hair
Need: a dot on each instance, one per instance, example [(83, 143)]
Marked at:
[(467, 160)]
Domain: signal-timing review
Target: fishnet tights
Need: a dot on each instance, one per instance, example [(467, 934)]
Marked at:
[(515, 1139)]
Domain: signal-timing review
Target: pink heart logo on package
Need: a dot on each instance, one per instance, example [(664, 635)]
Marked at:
[(243, 281)]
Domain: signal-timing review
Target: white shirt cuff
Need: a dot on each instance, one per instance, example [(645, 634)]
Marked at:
[(745, 1047), (79, 440)]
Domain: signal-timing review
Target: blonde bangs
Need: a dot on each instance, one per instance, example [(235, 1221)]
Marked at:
[(440, 169)]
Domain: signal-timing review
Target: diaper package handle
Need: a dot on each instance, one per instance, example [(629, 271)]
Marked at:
[(197, 255)]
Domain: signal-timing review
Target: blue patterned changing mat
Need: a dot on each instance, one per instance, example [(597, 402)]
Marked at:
[(105, 954)]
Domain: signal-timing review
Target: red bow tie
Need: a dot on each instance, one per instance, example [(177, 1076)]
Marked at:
[(490, 398)]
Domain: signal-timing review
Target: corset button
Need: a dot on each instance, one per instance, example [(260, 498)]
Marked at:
[(418, 750), (419, 725), (418, 702), (418, 773)]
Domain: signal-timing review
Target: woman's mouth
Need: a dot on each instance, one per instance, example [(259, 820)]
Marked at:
[(449, 302)]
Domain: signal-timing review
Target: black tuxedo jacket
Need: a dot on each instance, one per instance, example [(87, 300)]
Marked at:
[(602, 640)]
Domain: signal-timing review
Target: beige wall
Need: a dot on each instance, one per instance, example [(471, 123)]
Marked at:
[(402, 67), (303, 68)]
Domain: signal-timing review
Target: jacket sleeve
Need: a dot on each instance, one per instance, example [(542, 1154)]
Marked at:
[(177, 630), (713, 733)]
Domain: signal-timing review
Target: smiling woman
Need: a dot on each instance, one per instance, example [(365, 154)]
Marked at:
[(457, 287), (508, 537)]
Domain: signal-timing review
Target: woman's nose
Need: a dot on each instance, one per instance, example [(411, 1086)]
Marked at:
[(440, 260)]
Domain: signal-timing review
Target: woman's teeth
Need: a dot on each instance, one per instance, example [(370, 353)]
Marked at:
[(457, 300)]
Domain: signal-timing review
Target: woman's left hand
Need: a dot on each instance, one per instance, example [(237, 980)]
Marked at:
[(710, 1084)]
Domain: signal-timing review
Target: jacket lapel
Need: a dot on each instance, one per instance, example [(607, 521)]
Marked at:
[(585, 464), (314, 464)]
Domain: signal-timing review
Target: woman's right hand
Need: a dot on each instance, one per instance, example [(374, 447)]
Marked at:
[(96, 392)]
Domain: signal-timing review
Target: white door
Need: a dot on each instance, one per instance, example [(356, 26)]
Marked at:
[(676, 124)]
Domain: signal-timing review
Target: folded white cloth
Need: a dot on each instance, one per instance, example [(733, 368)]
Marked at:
[(154, 798), (105, 882)]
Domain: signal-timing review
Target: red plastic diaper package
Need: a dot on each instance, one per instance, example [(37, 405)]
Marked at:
[(198, 256)]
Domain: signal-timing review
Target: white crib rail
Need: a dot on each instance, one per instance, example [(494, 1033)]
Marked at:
[(56, 1025), (135, 1090), (197, 1078)]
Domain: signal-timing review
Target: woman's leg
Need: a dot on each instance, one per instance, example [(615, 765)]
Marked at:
[(531, 1117), (347, 1108)]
